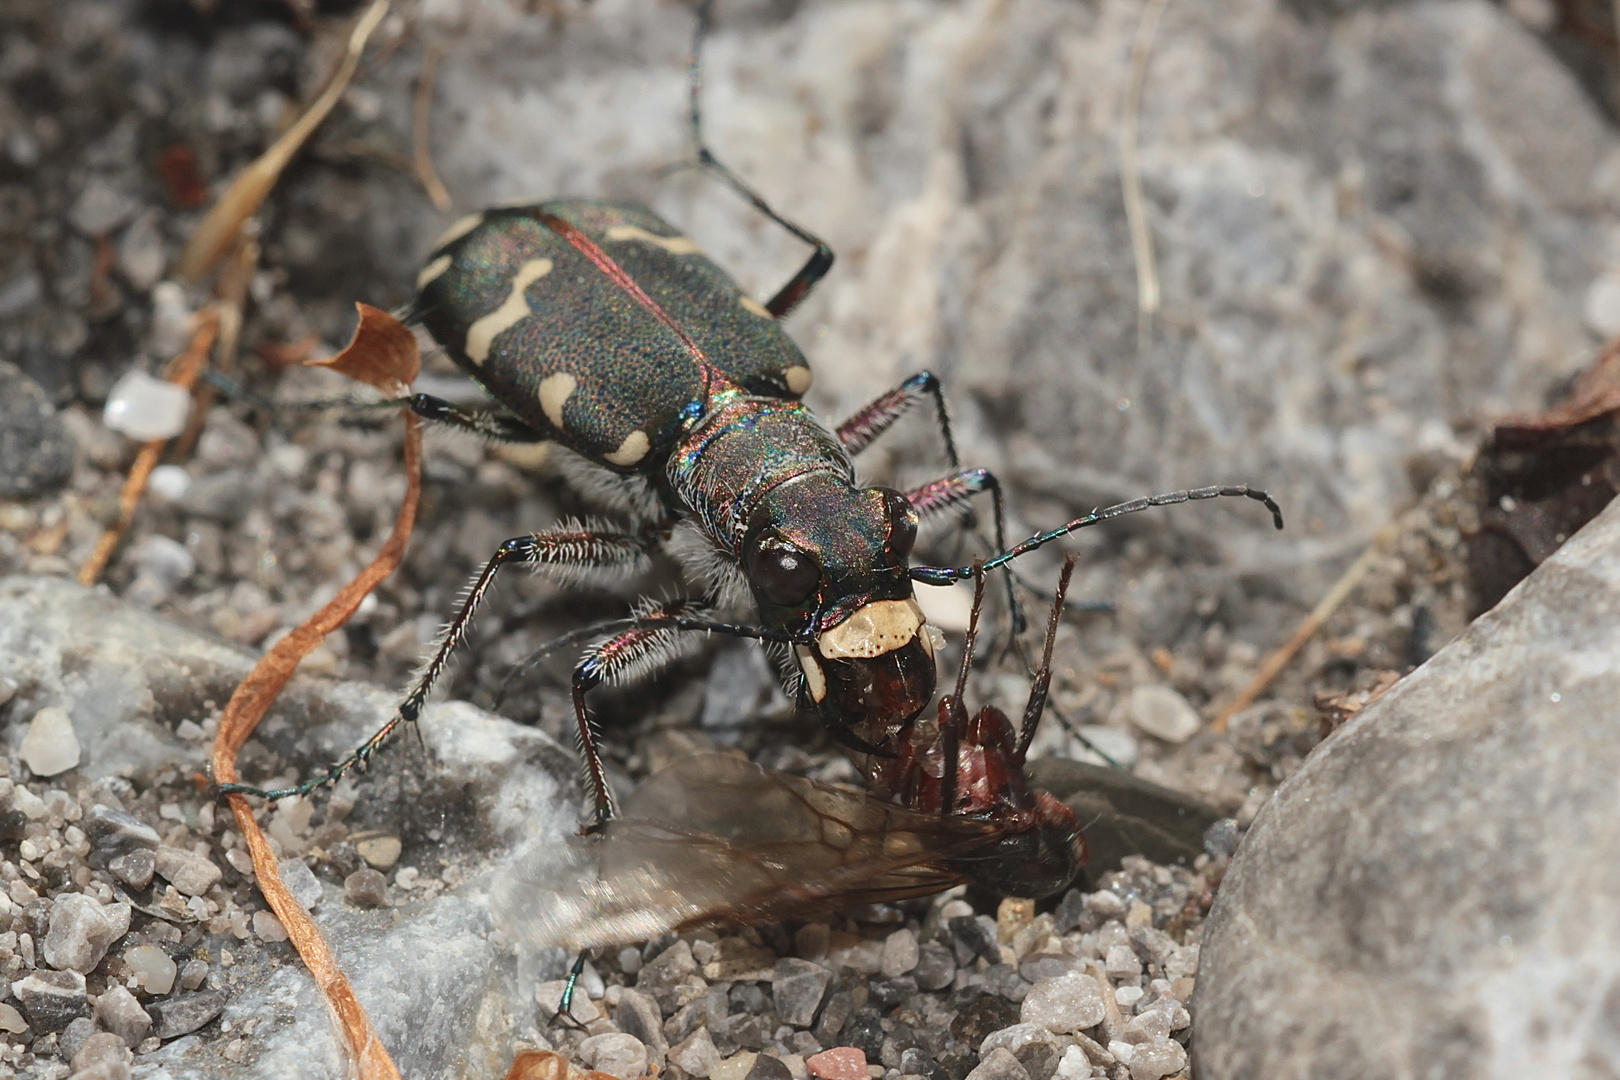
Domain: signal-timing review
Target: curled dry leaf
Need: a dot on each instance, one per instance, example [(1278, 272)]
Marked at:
[(383, 353), (258, 692)]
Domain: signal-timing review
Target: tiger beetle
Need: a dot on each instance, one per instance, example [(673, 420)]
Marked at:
[(600, 327)]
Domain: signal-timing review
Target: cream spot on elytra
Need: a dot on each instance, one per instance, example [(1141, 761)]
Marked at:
[(675, 245), (482, 334), (632, 450), (554, 392), (798, 379), (458, 230), (754, 306), (431, 271)]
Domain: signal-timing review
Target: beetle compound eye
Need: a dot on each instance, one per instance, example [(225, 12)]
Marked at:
[(902, 524), (785, 574)]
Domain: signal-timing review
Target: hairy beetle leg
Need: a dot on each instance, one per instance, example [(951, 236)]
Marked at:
[(652, 643)]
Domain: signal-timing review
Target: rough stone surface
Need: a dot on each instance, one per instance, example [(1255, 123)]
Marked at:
[(36, 452), (1438, 854), (797, 987)]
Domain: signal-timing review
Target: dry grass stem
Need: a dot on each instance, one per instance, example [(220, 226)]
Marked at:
[(247, 192), (1147, 273)]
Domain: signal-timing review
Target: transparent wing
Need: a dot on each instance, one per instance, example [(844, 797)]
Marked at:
[(715, 840)]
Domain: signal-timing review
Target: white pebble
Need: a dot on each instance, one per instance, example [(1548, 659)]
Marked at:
[(153, 969), (1073, 1065), (1156, 1059), (1163, 713), (146, 408), (50, 747), (1128, 996), (169, 482)]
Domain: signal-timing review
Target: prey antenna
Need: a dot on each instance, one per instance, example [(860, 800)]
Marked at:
[(956, 714), (945, 575), (1043, 677)]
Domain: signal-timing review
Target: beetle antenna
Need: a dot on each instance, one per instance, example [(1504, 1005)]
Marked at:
[(1043, 677), (945, 575)]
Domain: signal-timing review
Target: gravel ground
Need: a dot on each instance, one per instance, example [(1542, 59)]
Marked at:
[(107, 109)]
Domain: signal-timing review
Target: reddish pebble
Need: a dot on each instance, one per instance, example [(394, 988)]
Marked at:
[(839, 1063)]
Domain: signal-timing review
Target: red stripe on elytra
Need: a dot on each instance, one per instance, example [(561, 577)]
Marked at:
[(604, 262)]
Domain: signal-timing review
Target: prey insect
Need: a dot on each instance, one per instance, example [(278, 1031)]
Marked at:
[(717, 841), (600, 327)]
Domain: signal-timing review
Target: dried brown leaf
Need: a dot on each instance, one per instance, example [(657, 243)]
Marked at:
[(383, 353)]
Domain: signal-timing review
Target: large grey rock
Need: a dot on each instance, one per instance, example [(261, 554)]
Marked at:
[(446, 999), (1372, 222), (1435, 892)]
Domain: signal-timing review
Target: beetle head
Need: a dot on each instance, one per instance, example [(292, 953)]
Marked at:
[(827, 563)]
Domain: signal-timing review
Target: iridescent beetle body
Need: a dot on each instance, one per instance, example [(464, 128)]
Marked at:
[(600, 327)]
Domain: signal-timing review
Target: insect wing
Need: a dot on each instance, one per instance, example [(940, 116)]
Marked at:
[(717, 841)]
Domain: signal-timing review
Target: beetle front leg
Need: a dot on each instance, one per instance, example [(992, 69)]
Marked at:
[(652, 643), (569, 552), (860, 430)]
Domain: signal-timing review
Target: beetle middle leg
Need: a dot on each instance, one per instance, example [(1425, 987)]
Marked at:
[(568, 552), (790, 295)]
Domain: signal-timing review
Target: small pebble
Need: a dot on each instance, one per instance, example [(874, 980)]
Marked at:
[(977, 936), (797, 987), (146, 408), (301, 882), (999, 1064), (74, 1036), (366, 888), (121, 1014), (268, 927), (616, 1054), (380, 852), (193, 973), (735, 1067), (638, 1014), (52, 999), (839, 1063), (1073, 1065), (1163, 713), (50, 747), (1067, 1003), (936, 966), (190, 873), (101, 1055), (185, 1013), (154, 969), (1120, 961), (900, 954), (766, 1067), (135, 868), (79, 934), (1156, 1059), (696, 1056), (113, 831), (1127, 996), (11, 1020)]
